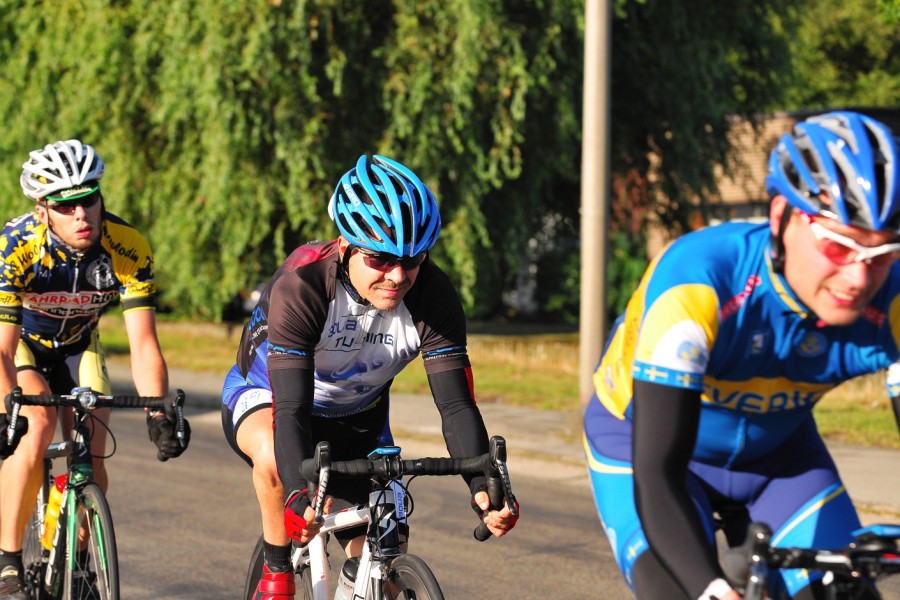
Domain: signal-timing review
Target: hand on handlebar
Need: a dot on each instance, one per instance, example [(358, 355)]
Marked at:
[(162, 432), (499, 522), (9, 440), (303, 528)]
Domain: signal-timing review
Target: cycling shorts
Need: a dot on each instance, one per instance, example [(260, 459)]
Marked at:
[(796, 490), (82, 364)]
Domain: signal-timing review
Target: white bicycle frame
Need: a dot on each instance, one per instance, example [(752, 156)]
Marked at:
[(370, 568)]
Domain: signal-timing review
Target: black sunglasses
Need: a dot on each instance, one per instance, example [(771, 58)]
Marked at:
[(67, 207), (381, 261)]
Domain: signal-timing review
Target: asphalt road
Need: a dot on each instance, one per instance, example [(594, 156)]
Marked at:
[(185, 528)]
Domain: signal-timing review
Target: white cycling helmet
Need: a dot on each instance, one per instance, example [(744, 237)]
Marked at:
[(60, 166)]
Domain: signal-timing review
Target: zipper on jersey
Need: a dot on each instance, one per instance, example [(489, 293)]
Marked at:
[(65, 319)]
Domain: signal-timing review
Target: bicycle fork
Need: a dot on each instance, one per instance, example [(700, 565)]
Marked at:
[(79, 473)]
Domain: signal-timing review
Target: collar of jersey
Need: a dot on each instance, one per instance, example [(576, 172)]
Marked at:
[(784, 292)]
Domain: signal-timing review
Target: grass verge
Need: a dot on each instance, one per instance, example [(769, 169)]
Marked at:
[(526, 368)]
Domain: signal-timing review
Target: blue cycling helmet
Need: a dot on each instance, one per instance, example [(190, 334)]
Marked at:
[(841, 165), (382, 206)]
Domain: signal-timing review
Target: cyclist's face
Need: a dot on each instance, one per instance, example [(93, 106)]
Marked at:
[(78, 228), (823, 272), (383, 287)]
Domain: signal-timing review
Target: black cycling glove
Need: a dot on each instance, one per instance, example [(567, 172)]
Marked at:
[(7, 448), (162, 433)]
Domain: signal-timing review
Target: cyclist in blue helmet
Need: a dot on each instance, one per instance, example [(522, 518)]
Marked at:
[(704, 394), (334, 325)]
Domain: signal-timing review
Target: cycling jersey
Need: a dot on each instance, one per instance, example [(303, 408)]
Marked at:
[(307, 321), (57, 294), (711, 315), (712, 320)]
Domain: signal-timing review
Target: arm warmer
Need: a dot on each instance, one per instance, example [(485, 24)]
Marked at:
[(666, 420), (462, 425), (292, 396)]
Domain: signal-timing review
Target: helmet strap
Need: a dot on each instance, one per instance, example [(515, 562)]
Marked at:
[(778, 240), (344, 276)]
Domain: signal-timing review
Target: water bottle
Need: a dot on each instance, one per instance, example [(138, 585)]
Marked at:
[(347, 579), (53, 507)]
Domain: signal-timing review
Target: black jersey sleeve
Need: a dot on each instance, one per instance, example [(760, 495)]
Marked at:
[(461, 421), (665, 430), (292, 391)]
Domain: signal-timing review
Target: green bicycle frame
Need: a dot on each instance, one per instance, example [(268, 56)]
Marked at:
[(79, 473)]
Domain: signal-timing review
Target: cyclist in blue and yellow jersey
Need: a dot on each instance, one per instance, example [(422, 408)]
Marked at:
[(704, 393), (334, 325), (62, 264)]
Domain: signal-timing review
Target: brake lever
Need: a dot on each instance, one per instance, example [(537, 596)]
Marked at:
[(13, 405), (178, 409), (323, 466), (498, 460)]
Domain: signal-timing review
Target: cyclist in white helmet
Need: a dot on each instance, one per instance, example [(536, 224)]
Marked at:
[(62, 264)]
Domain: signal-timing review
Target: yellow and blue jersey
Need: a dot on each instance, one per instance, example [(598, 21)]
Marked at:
[(57, 294), (712, 315)]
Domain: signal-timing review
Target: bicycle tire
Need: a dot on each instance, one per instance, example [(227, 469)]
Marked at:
[(409, 578), (33, 555), (305, 591), (98, 577), (254, 572)]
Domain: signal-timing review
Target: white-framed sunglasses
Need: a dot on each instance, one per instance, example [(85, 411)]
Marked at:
[(842, 250)]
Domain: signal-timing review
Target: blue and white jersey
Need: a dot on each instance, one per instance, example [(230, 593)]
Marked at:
[(711, 315), (355, 350)]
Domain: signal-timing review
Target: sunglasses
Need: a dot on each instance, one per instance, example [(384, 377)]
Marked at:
[(381, 261), (842, 250), (68, 206)]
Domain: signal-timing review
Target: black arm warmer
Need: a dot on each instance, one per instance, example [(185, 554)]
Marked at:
[(292, 393), (462, 425), (665, 431)]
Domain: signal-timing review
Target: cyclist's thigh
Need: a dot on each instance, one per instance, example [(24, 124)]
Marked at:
[(87, 368), (609, 459), (41, 420), (252, 438), (805, 503), (90, 366)]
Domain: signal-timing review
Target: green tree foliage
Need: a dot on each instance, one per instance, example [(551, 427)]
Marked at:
[(845, 56), (681, 70), (225, 125)]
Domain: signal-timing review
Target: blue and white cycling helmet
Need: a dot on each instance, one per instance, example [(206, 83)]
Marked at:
[(841, 165), (382, 206), (70, 167)]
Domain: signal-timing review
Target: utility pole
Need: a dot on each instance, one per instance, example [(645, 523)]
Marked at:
[(595, 188)]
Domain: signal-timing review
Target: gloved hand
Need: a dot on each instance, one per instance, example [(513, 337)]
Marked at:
[(6, 448), (294, 512), (162, 433)]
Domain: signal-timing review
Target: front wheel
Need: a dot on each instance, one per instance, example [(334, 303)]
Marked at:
[(93, 573), (254, 573), (409, 578), (34, 558)]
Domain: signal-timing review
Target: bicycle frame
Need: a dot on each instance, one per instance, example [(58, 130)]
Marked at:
[(80, 473), (874, 552), (83, 504), (383, 569), (371, 562)]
